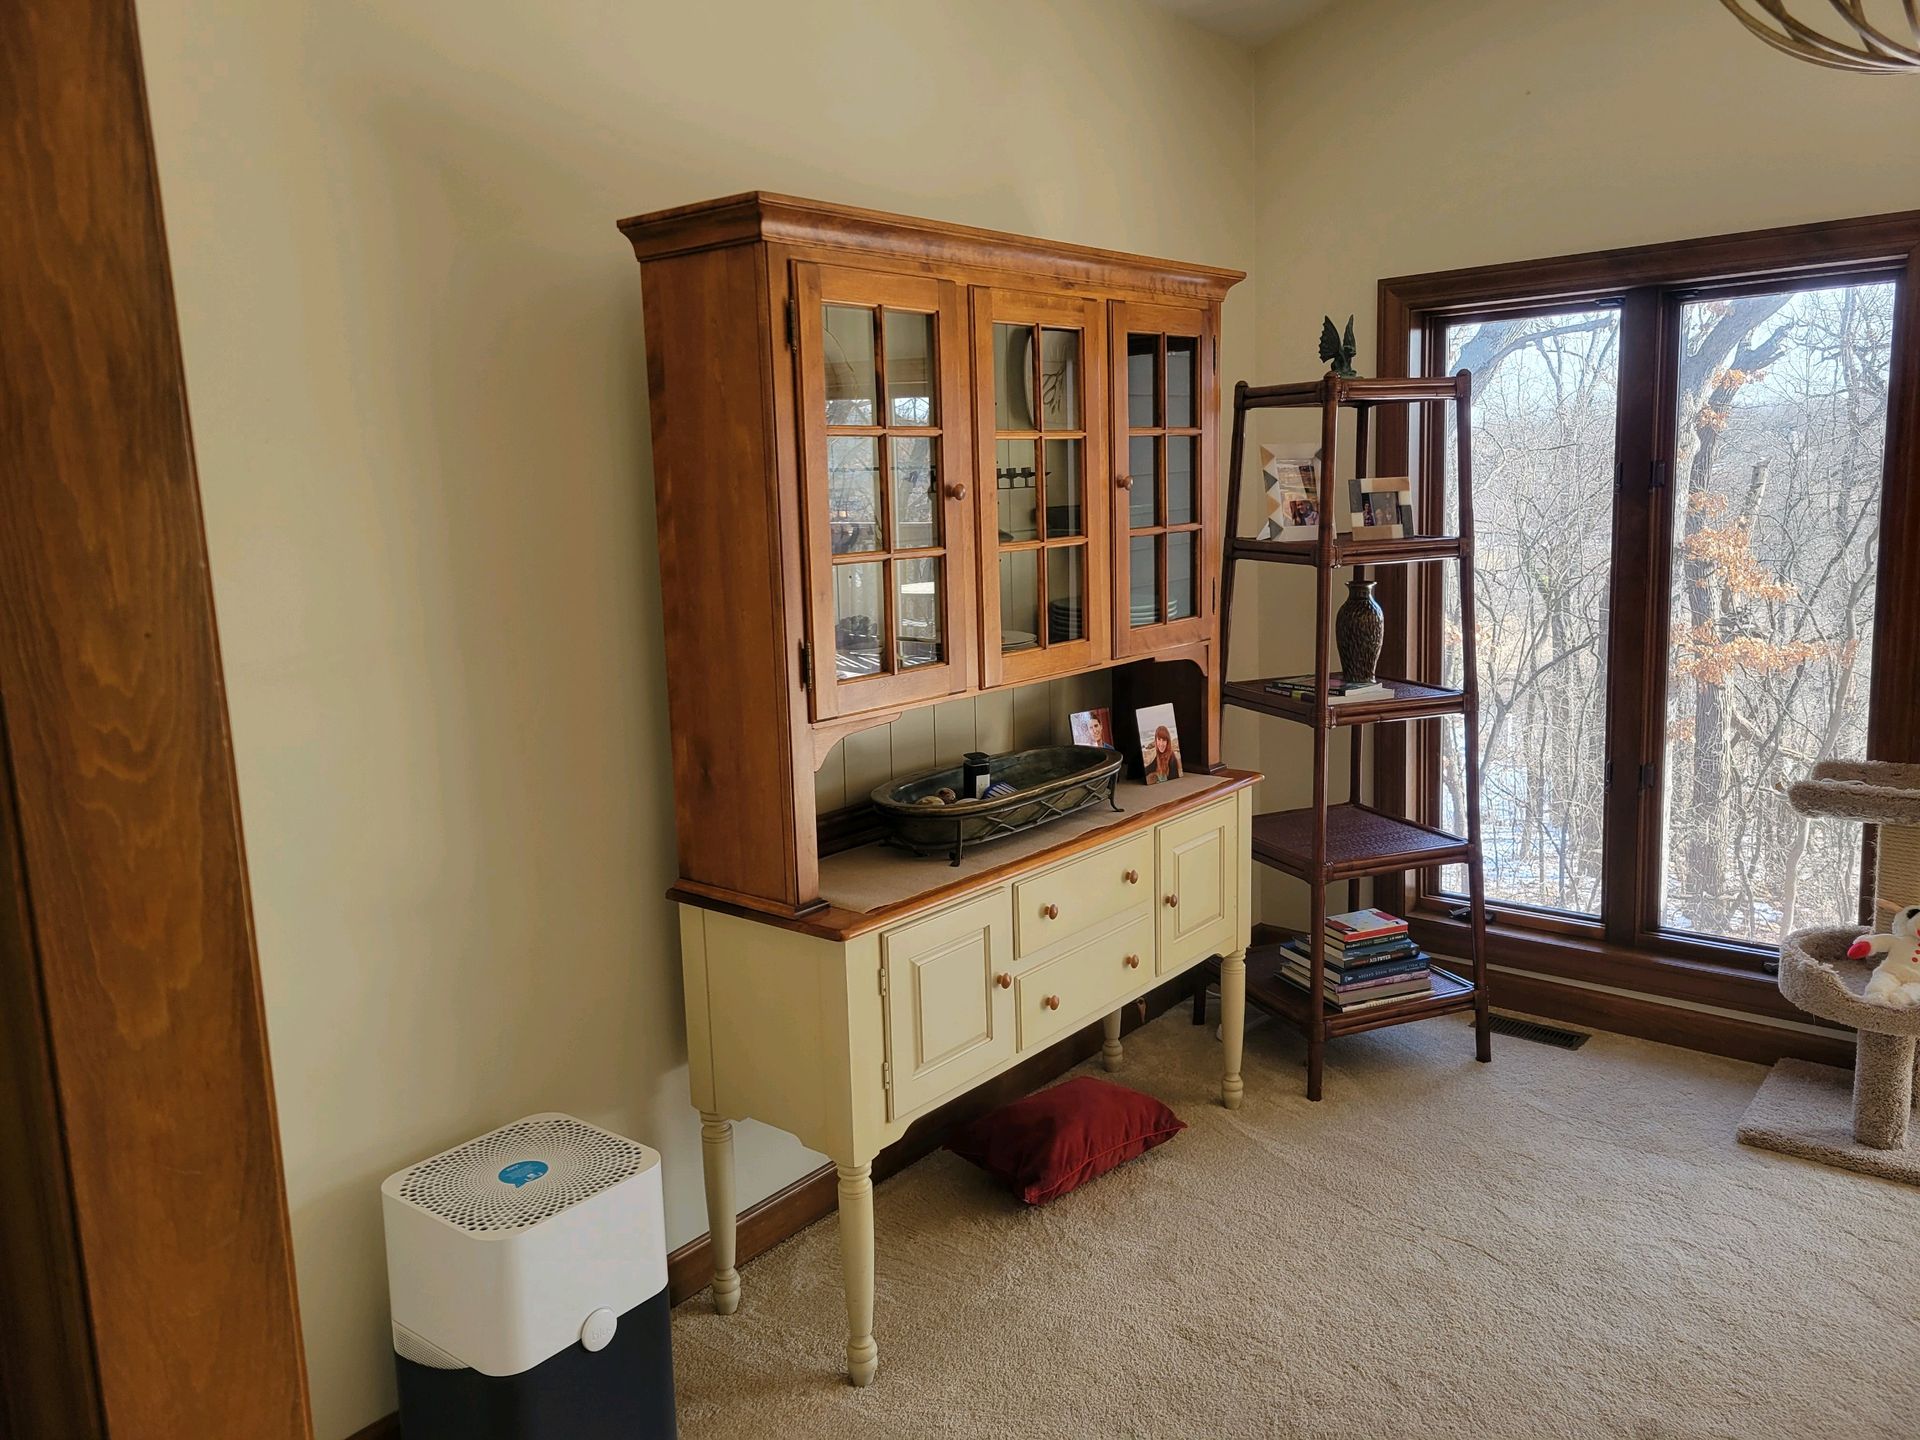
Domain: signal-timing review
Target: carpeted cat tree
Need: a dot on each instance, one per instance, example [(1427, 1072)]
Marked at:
[(1817, 1111)]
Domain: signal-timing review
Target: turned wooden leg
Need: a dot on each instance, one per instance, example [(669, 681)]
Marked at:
[(716, 1151), (1110, 1047), (856, 1266), (1233, 1025)]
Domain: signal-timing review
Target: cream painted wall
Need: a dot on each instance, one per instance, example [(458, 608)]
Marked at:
[(1490, 130), (413, 346)]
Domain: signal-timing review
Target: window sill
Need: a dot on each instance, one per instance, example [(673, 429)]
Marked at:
[(1646, 972)]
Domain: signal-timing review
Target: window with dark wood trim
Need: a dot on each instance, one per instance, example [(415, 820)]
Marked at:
[(1731, 496)]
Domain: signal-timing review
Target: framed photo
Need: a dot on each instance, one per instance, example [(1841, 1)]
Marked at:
[(1159, 743), (1380, 507), (1092, 727), (1293, 492)]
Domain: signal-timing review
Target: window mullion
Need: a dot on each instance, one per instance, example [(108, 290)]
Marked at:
[(1637, 619)]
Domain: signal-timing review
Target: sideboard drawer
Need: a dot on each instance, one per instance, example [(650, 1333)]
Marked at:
[(948, 1001), (1067, 900), (1197, 905), (1060, 994)]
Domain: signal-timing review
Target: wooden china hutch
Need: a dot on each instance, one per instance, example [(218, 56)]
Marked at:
[(897, 463)]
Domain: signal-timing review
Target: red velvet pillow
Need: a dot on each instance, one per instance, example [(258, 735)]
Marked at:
[(1044, 1145)]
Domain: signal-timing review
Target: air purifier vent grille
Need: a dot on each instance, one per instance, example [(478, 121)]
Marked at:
[(522, 1174)]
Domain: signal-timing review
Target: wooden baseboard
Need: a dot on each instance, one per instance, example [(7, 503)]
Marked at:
[(1644, 1017), (1670, 1025), (813, 1196)]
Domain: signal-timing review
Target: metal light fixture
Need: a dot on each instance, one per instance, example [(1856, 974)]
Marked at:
[(1871, 51)]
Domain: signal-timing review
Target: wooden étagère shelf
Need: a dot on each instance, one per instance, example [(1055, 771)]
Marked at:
[(1329, 841), (1410, 700)]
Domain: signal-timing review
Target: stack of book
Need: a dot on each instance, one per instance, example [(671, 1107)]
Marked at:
[(1339, 692), (1370, 960)]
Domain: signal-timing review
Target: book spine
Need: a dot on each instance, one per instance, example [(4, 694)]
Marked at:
[(1364, 987), (1402, 957), (1418, 965)]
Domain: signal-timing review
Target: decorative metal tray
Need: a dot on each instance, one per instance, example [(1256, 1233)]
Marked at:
[(1048, 783)]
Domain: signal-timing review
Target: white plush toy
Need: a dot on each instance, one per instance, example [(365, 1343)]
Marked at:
[(1896, 980)]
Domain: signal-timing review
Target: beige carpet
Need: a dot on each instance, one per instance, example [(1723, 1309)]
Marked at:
[(1560, 1244)]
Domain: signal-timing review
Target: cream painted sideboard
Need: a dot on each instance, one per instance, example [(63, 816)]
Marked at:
[(918, 983)]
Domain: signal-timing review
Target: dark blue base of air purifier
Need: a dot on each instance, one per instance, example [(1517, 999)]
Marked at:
[(624, 1392)]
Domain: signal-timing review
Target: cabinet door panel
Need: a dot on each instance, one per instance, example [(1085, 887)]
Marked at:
[(949, 1020), (886, 452), (1040, 377), (1166, 534), (1198, 900)]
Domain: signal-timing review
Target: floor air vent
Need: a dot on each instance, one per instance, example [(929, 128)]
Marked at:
[(1535, 1031)]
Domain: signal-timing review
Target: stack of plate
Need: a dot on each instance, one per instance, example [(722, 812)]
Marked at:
[(1065, 620)]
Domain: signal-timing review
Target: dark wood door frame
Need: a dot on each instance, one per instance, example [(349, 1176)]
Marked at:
[(1413, 309), (146, 1277)]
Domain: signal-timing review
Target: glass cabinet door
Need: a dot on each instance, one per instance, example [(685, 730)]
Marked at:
[(1040, 405), (1165, 534), (886, 455)]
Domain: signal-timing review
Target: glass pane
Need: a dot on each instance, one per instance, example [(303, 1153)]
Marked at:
[(909, 340), (1776, 535), (1066, 514), (859, 609), (1142, 353), (1019, 600), (916, 499), (848, 341), (1143, 581), (1013, 377), (1544, 402), (1015, 482), (853, 493), (1182, 574), (1183, 355), (1066, 619), (1143, 464), (1180, 505), (1059, 379), (918, 611)]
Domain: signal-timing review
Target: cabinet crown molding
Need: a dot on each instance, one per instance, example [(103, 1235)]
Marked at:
[(760, 215)]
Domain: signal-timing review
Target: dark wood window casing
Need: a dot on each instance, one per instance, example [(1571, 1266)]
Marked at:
[(1624, 946)]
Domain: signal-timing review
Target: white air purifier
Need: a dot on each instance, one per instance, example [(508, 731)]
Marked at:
[(528, 1272)]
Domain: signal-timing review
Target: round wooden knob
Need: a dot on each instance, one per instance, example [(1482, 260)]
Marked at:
[(957, 491), (1052, 1002), (1132, 877), (1133, 962), (1172, 900), (1003, 980), (1052, 912), (1125, 482)]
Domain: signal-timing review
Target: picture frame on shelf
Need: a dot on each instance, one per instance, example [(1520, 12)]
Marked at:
[(1292, 474), (1159, 736), (1379, 506), (1092, 727)]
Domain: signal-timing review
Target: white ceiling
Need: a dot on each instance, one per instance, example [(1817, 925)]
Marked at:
[(1256, 21)]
